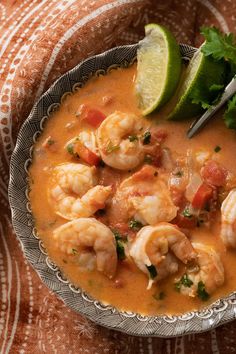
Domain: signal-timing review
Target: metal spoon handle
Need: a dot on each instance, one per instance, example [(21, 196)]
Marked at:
[(229, 91)]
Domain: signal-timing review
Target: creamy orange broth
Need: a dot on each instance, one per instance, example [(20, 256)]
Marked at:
[(133, 295)]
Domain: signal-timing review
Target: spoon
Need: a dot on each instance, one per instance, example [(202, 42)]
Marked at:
[(198, 124)]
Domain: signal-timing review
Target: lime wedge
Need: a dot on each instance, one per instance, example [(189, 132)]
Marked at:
[(158, 69), (201, 75)]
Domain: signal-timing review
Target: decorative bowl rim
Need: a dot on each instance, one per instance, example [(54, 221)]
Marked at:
[(221, 311)]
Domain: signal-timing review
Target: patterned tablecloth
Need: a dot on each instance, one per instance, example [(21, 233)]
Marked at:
[(40, 40)]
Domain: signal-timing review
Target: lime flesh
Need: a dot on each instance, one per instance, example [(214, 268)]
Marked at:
[(158, 69)]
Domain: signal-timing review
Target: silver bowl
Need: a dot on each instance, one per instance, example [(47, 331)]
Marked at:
[(218, 313)]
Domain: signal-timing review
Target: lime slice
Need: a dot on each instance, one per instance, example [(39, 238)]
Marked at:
[(201, 74), (158, 70)]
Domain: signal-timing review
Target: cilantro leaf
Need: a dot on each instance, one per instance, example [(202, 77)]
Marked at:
[(120, 250), (201, 291), (146, 138), (218, 45), (152, 271), (230, 114), (135, 224), (184, 281)]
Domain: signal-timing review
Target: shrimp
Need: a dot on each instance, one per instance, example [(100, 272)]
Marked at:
[(72, 192), (116, 147), (152, 247), (88, 235), (228, 220), (145, 197), (209, 271)]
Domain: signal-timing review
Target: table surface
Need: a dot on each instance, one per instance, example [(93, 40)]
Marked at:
[(40, 40)]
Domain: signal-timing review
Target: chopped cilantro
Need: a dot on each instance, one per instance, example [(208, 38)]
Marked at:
[(50, 141), (185, 281), (152, 271), (218, 45), (230, 114), (186, 213), (148, 159), (160, 296), (201, 291), (102, 164), (217, 148), (135, 224), (132, 138), (70, 148), (146, 138), (110, 148), (178, 173), (119, 245)]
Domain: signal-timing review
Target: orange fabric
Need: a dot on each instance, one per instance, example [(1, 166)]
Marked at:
[(40, 40)]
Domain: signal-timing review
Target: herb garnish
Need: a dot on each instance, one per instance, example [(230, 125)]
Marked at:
[(148, 159), (110, 147), (201, 291), (159, 296), (50, 141), (70, 148), (185, 281), (152, 271), (132, 138), (119, 245), (217, 148), (135, 224), (178, 173), (186, 213), (146, 138)]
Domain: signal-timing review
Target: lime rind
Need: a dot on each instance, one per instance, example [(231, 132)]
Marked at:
[(202, 72), (155, 84)]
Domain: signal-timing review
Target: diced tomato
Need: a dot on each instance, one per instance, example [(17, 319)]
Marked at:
[(177, 197), (94, 117), (213, 173), (85, 154), (202, 196), (185, 222), (158, 135)]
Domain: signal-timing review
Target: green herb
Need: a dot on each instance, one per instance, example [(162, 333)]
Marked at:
[(102, 164), (185, 281), (132, 138), (217, 148), (218, 45), (70, 148), (135, 224), (119, 245), (148, 159), (230, 114), (221, 47), (178, 174), (159, 296), (50, 141), (146, 138), (201, 291), (110, 148), (152, 271), (186, 213), (74, 251)]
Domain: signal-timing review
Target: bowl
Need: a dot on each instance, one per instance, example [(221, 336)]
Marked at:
[(218, 313)]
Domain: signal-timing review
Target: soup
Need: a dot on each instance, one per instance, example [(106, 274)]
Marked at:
[(128, 207)]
